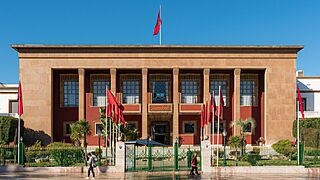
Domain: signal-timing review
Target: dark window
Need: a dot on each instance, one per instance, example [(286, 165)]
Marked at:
[(160, 92), (221, 127), (131, 91), (247, 128), (98, 88), (13, 106), (131, 126), (99, 127), (304, 104), (189, 90), (248, 92), (70, 91), (214, 86), (189, 128), (67, 129)]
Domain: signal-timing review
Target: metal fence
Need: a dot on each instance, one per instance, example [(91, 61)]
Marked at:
[(8, 155)]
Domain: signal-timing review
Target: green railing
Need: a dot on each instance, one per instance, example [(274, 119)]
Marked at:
[(8, 155)]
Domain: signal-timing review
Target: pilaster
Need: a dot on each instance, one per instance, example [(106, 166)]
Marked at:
[(236, 95), (144, 105), (81, 104), (175, 122)]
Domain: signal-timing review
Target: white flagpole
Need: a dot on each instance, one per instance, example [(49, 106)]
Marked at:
[(200, 123), (298, 133), (160, 26), (218, 128), (106, 130), (19, 138), (212, 123)]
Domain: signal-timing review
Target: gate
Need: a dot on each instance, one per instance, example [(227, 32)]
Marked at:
[(148, 158)]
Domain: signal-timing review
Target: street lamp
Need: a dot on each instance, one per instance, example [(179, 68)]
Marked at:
[(99, 151), (224, 134)]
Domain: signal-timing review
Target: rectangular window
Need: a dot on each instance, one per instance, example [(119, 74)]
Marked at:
[(70, 90), (221, 80), (190, 88), (99, 82), (99, 127), (161, 87), (130, 89), (304, 104), (67, 128), (13, 106), (189, 127), (248, 90)]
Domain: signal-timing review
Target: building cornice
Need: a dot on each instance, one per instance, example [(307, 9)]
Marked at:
[(40, 48)]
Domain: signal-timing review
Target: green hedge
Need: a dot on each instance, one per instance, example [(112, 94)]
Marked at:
[(8, 129), (284, 147), (65, 154), (310, 132)]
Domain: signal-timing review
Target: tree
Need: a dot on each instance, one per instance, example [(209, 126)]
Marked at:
[(247, 125), (79, 132), (235, 142)]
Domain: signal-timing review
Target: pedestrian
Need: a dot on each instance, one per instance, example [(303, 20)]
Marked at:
[(92, 164), (194, 165)]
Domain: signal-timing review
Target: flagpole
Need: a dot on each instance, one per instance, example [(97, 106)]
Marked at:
[(201, 122), (298, 134), (106, 121), (160, 27), (212, 123), (219, 109), (19, 139)]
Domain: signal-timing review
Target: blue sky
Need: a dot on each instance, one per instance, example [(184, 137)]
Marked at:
[(205, 22)]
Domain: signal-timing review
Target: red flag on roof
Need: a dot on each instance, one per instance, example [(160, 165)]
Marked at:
[(300, 103), (20, 104), (158, 24)]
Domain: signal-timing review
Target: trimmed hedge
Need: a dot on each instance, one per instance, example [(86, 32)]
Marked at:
[(284, 147), (65, 154), (310, 131), (8, 129)]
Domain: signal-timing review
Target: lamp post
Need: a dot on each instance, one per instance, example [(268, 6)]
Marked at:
[(99, 150), (224, 134)]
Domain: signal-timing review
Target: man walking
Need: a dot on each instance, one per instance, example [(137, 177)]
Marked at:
[(92, 164), (194, 165)]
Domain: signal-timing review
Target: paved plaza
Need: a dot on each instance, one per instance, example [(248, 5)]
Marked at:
[(164, 176)]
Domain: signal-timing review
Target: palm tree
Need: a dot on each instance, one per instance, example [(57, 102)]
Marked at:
[(79, 132), (235, 142), (245, 126)]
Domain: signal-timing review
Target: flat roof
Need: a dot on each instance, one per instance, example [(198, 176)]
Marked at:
[(146, 48)]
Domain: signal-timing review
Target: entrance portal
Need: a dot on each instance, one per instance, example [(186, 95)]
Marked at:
[(160, 132)]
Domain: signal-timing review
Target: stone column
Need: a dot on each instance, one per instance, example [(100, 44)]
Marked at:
[(144, 103), (175, 119), (113, 78), (120, 157), (206, 96), (236, 95), (81, 105)]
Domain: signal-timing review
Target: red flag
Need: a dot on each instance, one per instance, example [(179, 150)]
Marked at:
[(158, 24), (20, 104), (212, 106), (207, 113), (221, 104), (122, 118), (114, 108), (300, 102)]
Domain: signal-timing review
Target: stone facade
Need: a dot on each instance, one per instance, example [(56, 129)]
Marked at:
[(277, 64)]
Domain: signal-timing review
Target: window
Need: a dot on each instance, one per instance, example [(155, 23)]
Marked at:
[(98, 88), (99, 127), (130, 89), (221, 127), (248, 90), (13, 106), (190, 88), (160, 88), (247, 128), (132, 125), (221, 80), (304, 104), (70, 90), (67, 128), (189, 127)]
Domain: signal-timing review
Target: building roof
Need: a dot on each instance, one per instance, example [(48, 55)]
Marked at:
[(8, 88), (158, 48)]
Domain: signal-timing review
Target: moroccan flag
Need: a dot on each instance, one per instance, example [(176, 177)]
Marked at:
[(20, 104), (300, 102), (158, 24), (221, 104), (212, 106)]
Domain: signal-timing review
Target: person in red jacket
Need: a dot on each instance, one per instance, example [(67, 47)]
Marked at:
[(194, 165)]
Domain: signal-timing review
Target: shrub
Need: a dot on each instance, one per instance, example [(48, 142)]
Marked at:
[(251, 158), (310, 131), (312, 152), (65, 154), (8, 129), (283, 147)]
